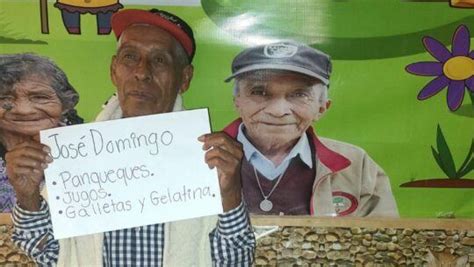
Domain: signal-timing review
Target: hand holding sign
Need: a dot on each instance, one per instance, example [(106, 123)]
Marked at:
[(225, 154), (25, 164), (130, 172)]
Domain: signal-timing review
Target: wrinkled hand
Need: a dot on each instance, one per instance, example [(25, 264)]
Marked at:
[(225, 154), (25, 165)]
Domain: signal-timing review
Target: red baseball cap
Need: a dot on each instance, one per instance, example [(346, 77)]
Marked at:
[(171, 23)]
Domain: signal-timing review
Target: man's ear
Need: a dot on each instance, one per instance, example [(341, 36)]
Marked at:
[(236, 96), (328, 105), (113, 65), (322, 110), (236, 101), (187, 73)]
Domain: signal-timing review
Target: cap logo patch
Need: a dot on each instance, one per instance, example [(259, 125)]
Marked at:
[(280, 50), (168, 17)]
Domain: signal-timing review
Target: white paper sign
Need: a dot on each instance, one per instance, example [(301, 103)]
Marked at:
[(129, 172)]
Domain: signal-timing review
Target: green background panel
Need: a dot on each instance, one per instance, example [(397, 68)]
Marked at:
[(374, 98)]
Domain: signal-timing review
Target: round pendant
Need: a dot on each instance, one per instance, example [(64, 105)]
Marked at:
[(266, 205)]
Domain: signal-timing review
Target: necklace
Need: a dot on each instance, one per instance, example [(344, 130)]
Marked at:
[(266, 205)]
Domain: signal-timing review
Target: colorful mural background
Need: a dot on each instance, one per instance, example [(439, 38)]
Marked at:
[(375, 103)]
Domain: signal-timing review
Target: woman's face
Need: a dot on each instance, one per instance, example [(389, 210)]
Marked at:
[(32, 105)]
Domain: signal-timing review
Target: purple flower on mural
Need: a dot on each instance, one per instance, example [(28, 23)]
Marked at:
[(453, 69)]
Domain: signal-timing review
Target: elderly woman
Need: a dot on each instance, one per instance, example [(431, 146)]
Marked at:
[(34, 95)]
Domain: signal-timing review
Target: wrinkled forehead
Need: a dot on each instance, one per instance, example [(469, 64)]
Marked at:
[(146, 35), (270, 75), (9, 82)]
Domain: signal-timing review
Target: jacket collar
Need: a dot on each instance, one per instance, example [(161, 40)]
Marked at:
[(329, 158)]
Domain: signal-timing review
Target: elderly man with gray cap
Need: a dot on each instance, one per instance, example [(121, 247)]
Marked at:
[(280, 90), (151, 68)]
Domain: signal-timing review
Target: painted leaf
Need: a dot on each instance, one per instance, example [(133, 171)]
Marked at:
[(445, 155), (468, 164), (469, 168), (438, 160)]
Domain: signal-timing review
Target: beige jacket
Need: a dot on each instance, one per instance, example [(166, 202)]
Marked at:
[(347, 183)]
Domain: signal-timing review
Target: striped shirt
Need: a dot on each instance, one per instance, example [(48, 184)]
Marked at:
[(232, 241)]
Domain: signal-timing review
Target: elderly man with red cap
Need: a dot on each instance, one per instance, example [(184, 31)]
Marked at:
[(280, 91), (150, 70)]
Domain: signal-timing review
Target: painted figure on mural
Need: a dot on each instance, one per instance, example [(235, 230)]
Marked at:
[(280, 91), (71, 11)]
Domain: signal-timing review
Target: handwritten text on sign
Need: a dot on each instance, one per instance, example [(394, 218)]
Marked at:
[(129, 172)]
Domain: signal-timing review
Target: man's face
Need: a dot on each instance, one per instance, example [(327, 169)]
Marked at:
[(32, 105), (146, 71), (277, 107)]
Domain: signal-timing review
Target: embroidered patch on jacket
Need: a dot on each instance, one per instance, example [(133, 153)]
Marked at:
[(344, 203)]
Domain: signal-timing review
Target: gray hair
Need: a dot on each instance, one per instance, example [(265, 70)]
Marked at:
[(323, 97), (181, 55), (16, 67), (318, 86)]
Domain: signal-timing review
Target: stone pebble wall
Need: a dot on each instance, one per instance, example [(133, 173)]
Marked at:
[(9, 255), (311, 246), (315, 246)]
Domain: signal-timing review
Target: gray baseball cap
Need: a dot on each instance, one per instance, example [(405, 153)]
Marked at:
[(290, 55)]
